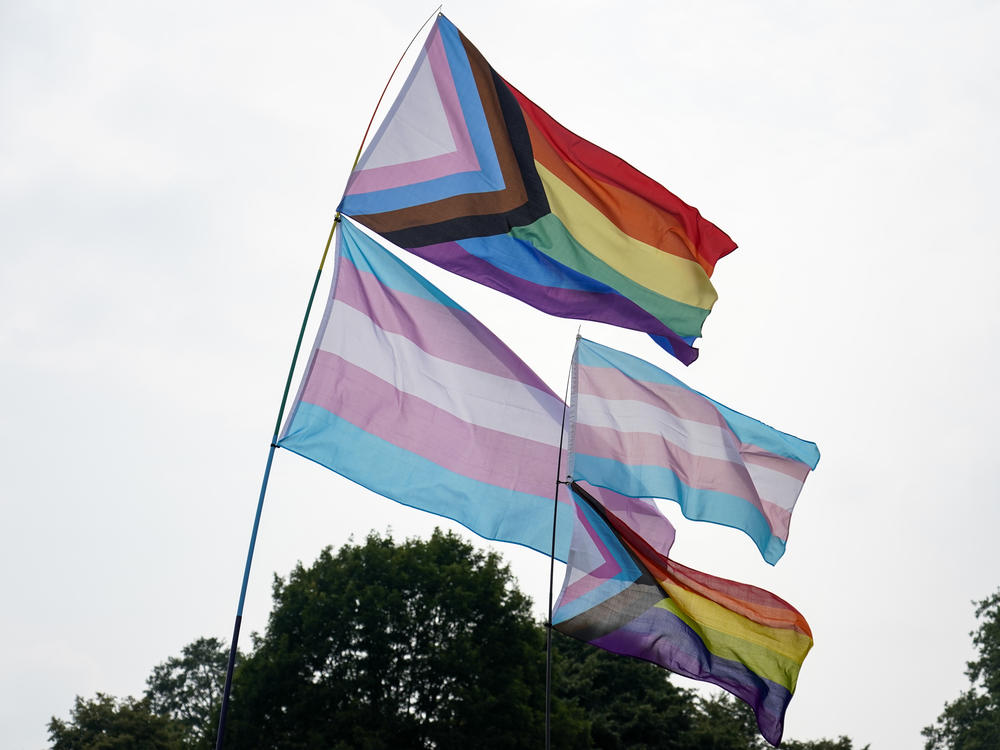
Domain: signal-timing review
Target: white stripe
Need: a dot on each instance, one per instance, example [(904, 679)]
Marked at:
[(774, 486), (474, 396), (627, 415)]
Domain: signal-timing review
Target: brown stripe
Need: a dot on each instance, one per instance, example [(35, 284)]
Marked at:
[(470, 204)]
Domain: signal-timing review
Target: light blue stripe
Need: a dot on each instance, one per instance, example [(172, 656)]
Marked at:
[(746, 429), (368, 255), (488, 178), (629, 573), (696, 504), (472, 106), (398, 474)]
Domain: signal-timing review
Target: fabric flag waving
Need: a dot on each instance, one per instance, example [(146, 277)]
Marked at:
[(639, 431), (469, 174), (626, 596), (409, 395)]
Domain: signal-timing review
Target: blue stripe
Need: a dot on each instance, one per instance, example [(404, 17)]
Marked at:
[(663, 638), (472, 106), (524, 260), (747, 429), (368, 255), (488, 178), (393, 472), (696, 504)]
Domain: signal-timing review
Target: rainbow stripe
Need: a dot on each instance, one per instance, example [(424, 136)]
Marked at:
[(469, 174), (640, 431), (623, 594), (409, 395)]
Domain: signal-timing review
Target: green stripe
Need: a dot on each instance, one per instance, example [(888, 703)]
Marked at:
[(762, 661), (550, 236)]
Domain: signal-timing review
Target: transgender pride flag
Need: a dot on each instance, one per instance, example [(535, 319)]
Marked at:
[(409, 395), (638, 430)]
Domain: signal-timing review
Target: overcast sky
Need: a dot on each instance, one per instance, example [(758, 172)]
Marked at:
[(168, 175)]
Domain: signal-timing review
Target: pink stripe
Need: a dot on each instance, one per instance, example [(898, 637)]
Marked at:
[(443, 332), (611, 383), (697, 472), (643, 448), (413, 424), (463, 159), (760, 457), (778, 518), (682, 403), (608, 569), (640, 515)]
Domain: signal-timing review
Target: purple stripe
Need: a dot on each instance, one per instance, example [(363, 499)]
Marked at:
[(413, 424), (463, 159), (441, 331), (659, 636), (605, 307)]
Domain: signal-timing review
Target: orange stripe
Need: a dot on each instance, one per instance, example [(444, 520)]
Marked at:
[(768, 610), (756, 604), (630, 212)]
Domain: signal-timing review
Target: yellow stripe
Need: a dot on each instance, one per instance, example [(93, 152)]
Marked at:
[(761, 661), (773, 653), (674, 277), (786, 641)]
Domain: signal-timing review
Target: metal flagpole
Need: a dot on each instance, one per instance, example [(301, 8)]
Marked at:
[(263, 490), (227, 690), (552, 565)]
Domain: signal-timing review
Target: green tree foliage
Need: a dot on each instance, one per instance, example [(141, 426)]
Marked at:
[(841, 743), (423, 644), (726, 723), (972, 721), (385, 645), (188, 689), (107, 723), (627, 702)]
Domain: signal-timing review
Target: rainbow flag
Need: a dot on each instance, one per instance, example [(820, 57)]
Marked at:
[(469, 174), (409, 395), (623, 594), (638, 430)]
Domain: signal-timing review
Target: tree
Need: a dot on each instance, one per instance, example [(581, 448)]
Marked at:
[(424, 644), (107, 723), (629, 703), (841, 743), (972, 721), (188, 689), (421, 644), (726, 723)]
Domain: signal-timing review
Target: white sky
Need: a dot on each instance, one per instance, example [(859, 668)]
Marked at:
[(168, 174)]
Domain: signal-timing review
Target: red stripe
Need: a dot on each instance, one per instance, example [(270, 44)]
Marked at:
[(710, 242), (753, 603)]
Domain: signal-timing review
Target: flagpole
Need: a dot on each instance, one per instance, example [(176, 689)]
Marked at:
[(552, 568), (263, 491), (230, 667), (436, 12)]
